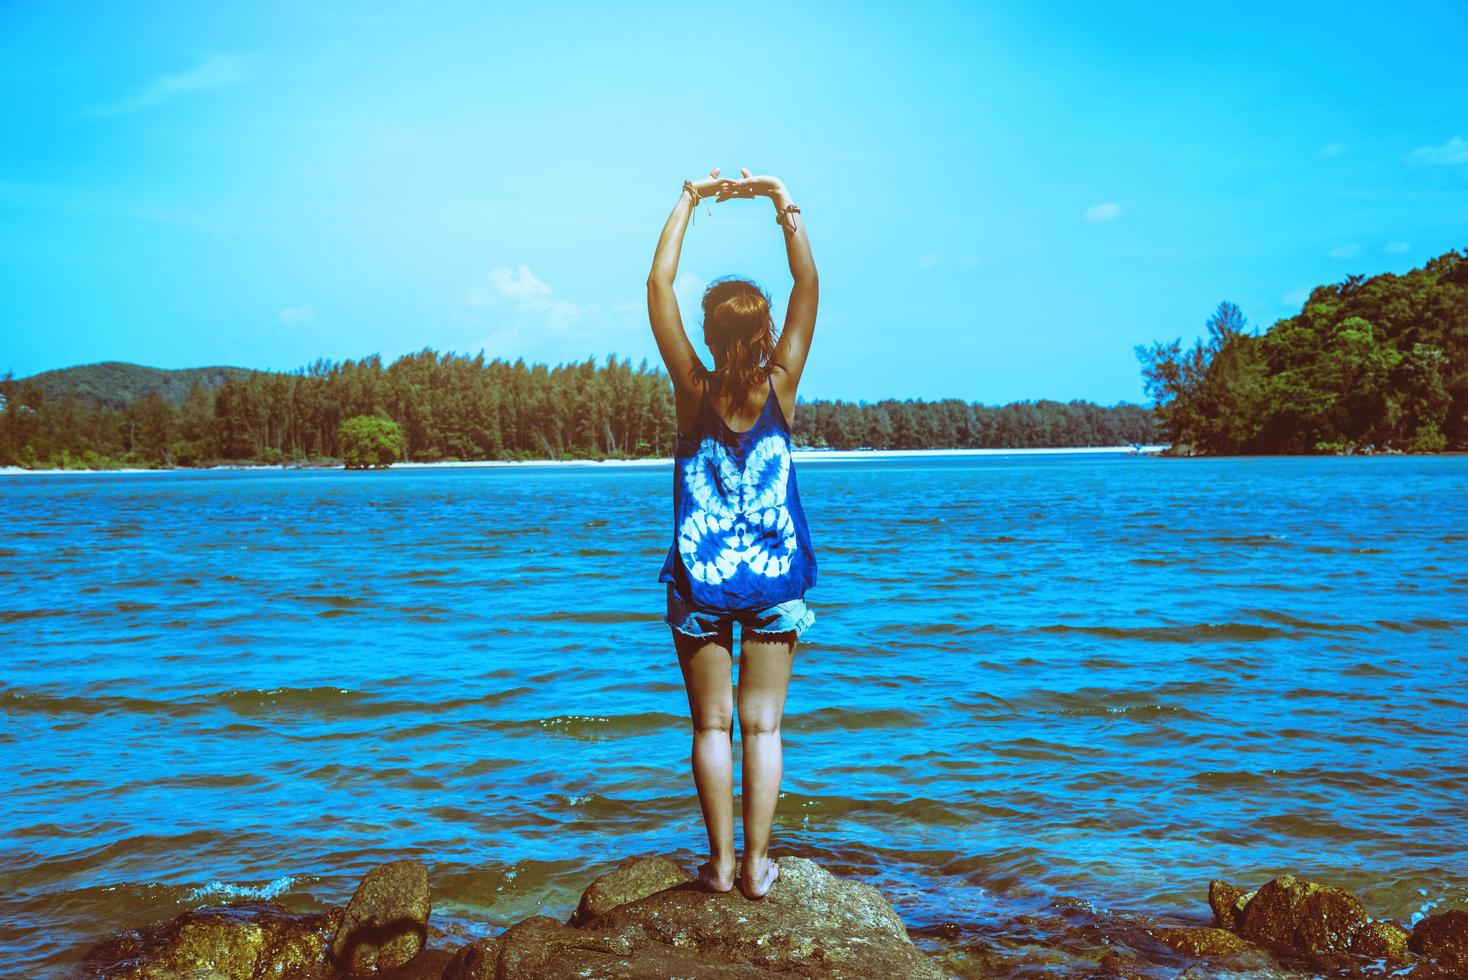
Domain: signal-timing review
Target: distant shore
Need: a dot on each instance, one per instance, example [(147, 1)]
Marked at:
[(800, 456)]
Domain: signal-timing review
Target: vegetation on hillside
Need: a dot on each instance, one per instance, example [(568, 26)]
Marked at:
[(1368, 365), (455, 407)]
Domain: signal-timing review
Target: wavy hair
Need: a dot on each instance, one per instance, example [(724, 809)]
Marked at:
[(739, 331)]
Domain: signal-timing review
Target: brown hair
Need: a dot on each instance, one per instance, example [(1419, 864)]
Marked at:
[(739, 330)]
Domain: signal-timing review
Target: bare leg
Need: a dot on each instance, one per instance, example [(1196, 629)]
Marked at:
[(765, 663), (706, 675)]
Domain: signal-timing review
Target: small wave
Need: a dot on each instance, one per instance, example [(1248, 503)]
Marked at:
[(229, 891), (598, 728), (595, 618), (18, 615), (823, 719), (1173, 634)]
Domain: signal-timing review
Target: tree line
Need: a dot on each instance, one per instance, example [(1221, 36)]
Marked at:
[(1367, 365), (451, 406)]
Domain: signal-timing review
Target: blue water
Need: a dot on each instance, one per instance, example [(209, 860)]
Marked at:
[(1030, 677)]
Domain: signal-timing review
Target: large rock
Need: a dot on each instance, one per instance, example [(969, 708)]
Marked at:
[(386, 922), (1443, 939), (242, 939), (809, 924), (1308, 920), (634, 878)]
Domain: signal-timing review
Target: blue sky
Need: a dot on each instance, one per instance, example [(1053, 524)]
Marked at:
[(1003, 200)]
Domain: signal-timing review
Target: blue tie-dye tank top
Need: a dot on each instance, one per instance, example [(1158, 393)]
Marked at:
[(740, 541)]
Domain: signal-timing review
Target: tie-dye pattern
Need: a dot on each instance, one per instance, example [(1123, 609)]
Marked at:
[(740, 539)]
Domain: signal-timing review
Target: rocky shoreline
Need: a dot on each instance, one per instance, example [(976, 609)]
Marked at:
[(650, 918)]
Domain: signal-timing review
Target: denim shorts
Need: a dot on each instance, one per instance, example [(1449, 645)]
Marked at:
[(792, 616)]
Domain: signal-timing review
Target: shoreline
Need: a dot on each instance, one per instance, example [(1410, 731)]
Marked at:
[(799, 455)]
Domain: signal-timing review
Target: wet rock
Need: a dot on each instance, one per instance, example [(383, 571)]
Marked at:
[(1204, 941), (429, 964), (386, 922), (1382, 939), (1303, 917), (1228, 903), (810, 923), (242, 939), (1443, 939), (474, 961), (634, 878), (1122, 966)]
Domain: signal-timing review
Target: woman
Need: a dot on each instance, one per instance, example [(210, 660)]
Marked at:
[(741, 550)]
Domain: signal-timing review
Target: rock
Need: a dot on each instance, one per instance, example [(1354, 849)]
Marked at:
[(810, 923), (634, 878), (242, 939), (1303, 917), (474, 961), (429, 964), (1120, 966), (386, 922), (1204, 941), (1382, 939), (1228, 903), (1443, 939)]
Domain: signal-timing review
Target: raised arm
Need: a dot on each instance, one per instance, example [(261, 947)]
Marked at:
[(800, 312), (662, 304)]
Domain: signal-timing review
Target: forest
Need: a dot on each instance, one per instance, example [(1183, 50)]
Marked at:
[(449, 406), (1368, 365)]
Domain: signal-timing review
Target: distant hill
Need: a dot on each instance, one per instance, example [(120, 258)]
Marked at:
[(115, 384)]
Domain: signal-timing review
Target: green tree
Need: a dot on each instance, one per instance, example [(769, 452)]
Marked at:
[(369, 441)]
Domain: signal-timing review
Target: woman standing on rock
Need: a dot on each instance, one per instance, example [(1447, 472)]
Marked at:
[(741, 550)]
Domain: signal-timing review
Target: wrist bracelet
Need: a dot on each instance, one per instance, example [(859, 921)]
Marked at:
[(693, 193), (789, 209)]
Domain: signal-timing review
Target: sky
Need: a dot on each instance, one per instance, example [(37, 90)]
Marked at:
[(1003, 200)]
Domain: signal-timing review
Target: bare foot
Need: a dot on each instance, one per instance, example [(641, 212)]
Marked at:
[(750, 890), (713, 880)]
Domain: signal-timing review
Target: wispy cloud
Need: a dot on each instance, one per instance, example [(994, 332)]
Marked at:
[(1397, 248), (929, 261), (1346, 251), (1295, 297), (518, 283), (215, 71), (1333, 149), (293, 315), (1108, 211), (1453, 151), (525, 292)]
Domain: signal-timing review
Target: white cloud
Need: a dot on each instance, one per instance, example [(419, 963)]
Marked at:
[(1346, 251), (929, 260), (1333, 149), (525, 293), (518, 283), (1397, 248), (1109, 211), (1453, 151), (213, 72), (291, 315)]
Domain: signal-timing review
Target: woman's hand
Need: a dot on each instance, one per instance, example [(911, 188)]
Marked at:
[(750, 186), (712, 186)]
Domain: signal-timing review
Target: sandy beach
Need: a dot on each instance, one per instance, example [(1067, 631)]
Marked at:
[(800, 455)]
